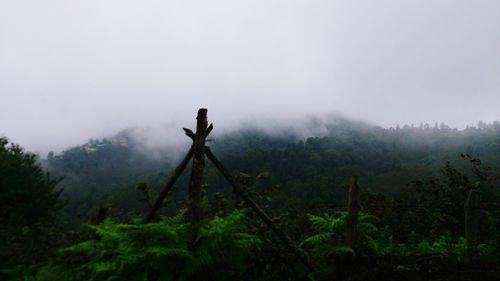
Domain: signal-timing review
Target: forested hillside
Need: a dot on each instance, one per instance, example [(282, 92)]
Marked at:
[(414, 183), (312, 172)]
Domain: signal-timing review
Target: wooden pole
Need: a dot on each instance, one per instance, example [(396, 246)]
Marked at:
[(472, 213), (353, 207), (195, 208), (168, 186), (256, 208)]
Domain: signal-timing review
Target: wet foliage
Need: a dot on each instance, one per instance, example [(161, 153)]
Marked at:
[(414, 186)]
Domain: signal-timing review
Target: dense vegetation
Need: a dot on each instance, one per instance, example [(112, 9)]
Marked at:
[(414, 180), (29, 207)]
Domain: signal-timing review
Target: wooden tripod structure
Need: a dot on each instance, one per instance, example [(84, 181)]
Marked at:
[(197, 152)]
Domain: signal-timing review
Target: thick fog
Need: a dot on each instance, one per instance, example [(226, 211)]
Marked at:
[(74, 70)]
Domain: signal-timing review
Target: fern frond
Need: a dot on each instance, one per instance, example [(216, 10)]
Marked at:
[(341, 250), (318, 239)]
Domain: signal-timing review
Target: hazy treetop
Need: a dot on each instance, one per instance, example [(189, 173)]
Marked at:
[(71, 70)]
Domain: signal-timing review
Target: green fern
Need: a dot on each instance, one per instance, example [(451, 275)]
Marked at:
[(167, 250), (330, 230), (217, 241)]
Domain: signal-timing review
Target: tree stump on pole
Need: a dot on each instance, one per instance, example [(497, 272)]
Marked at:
[(195, 212), (472, 213), (353, 207)]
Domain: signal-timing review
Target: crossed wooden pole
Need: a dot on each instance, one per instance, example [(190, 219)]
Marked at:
[(197, 152)]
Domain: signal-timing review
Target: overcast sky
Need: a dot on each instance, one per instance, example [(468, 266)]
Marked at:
[(72, 70)]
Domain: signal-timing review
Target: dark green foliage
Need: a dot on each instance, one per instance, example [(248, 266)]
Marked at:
[(441, 199), (407, 232), (326, 247), (102, 172), (330, 229), (28, 193), (170, 249), (29, 207), (312, 171)]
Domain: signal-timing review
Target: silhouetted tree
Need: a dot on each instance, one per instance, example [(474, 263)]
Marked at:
[(29, 201)]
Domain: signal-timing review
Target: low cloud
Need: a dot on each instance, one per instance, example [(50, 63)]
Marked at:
[(70, 71)]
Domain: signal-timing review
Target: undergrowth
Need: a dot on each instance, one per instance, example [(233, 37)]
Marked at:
[(170, 249)]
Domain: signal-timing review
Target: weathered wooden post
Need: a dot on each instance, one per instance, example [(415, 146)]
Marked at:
[(472, 213), (195, 204), (353, 207)]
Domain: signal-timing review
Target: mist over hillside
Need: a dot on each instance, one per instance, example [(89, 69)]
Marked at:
[(297, 172), (313, 158)]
